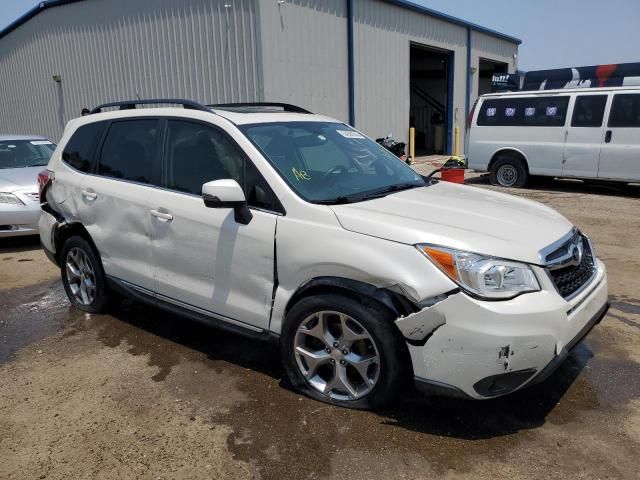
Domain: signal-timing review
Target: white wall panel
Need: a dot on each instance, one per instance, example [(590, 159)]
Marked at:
[(120, 49), (304, 52)]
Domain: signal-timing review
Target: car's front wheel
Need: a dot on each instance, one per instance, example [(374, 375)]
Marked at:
[(83, 276), (342, 351)]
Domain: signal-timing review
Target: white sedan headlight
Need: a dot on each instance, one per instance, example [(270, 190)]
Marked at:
[(482, 276), (10, 198)]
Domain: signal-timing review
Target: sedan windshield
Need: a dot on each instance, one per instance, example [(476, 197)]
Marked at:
[(330, 162), (25, 153)]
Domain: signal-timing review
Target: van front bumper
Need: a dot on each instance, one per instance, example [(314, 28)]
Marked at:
[(481, 349)]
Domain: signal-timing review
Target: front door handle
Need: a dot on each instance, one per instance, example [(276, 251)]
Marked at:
[(89, 194), (607, 136), (164, 216)]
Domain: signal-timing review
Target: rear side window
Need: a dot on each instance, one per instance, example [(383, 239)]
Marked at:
[(130, 151), (79, 150), (625, 111), (524, 112), (588, 111)]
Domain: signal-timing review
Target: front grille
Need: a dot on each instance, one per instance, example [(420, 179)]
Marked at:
[(570, 279)]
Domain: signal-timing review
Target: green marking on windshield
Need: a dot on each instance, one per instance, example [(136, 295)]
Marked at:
[(300, 174)]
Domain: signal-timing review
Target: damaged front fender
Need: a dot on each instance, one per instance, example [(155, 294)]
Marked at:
[(418, 326)]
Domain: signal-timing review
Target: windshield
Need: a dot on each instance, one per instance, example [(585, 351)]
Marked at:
[(330, 162), (25, 153)]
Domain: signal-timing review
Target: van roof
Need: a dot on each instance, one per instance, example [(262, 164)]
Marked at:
[(559, 91)]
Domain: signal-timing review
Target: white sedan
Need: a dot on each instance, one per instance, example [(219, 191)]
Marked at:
[(21, 158)]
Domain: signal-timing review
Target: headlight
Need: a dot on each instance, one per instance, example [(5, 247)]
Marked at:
[(482, 276), (10, 198)]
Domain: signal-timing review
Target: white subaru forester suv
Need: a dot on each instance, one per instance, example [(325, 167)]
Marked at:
[(271, 221)]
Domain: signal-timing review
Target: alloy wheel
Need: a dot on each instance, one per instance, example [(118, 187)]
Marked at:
[(80, 276), (336, 355)]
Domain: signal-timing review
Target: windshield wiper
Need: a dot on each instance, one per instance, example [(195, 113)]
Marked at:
[(392, 189), (341, 200)]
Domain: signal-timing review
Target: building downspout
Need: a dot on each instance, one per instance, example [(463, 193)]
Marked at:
[(469, 74), (351, 67)]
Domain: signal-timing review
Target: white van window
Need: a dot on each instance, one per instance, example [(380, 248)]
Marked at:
[(625, 111), (524, 112), (589, 111)]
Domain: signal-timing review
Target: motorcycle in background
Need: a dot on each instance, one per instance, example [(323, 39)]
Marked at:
[(397, 148)]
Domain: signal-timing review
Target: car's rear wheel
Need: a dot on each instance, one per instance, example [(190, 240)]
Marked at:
[(509, 171), (83, 276), (342, 351)]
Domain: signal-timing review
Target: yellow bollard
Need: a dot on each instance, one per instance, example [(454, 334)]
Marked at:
[(412, 143), (456, 141)]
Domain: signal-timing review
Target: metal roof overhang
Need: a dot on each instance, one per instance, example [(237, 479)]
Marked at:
[(45, 4)]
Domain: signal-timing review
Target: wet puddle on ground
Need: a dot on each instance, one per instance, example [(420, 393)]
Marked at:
[(31, 314), (288, 435)]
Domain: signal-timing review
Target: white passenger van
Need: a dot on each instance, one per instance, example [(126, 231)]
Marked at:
[(587, 133)]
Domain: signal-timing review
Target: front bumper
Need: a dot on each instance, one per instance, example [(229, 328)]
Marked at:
[(17, 220), (479, 349)]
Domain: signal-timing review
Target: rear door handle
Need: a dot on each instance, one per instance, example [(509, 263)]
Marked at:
[(89, 194), (607, 136), (165, 217)]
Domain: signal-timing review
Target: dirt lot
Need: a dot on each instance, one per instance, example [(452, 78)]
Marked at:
[(143, 394)]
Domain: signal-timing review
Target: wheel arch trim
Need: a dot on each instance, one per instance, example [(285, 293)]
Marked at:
[(395, 301), (508, 150), (64, 230)]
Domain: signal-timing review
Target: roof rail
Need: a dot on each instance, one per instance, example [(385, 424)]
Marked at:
[(286, 107), (131, 104)]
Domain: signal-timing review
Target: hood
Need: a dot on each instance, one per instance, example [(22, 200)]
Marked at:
[(461, 217), (12, 179)]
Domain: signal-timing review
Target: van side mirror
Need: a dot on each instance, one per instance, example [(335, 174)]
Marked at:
[(227, 194)]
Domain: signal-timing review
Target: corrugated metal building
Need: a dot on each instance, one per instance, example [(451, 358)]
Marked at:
[(378, 64)]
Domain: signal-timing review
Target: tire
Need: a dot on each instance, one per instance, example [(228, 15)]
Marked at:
[(83, 276), (509, 171), (381, 358)]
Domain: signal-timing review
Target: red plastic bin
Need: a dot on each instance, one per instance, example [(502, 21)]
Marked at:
[(453, 175)]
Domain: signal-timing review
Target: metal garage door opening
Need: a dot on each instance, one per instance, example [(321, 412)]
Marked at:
[(486, 71), (430, 88)]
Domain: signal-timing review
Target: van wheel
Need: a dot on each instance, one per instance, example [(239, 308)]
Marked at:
[(83, 276), (344, 352), (509, 172)]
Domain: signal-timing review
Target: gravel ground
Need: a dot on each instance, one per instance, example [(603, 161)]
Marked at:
[(143, 394)]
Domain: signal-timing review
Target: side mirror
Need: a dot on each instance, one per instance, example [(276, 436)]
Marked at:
[(227, 194)]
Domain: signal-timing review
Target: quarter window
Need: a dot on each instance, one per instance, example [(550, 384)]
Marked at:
[(79, 150), (625, 111), (130, 151), (588, 111), (524, 112)]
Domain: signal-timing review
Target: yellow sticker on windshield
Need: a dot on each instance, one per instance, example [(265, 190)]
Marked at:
[(300, 174)]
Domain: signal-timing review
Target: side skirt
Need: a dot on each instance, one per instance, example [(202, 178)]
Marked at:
[(188, 311)]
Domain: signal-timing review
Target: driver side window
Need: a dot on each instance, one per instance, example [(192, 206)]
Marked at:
[(198, 154)]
